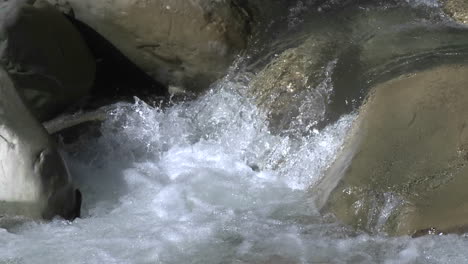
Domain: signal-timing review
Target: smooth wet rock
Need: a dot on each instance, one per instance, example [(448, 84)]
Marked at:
[(178, 42), (260, 17), (34, 180), (289, 89), (458, 9), (45, 56), (311, 81), (301, 82), (404, 167)]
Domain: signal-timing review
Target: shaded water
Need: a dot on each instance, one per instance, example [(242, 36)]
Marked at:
[(207, 181)]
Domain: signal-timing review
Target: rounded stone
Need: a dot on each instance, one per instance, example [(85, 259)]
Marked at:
[(45, 56)]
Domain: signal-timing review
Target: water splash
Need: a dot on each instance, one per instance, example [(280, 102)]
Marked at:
[(179, 186)]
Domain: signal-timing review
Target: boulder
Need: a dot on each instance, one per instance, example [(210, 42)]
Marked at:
[(405, 165), (458, 9), (117, 78), (289, 88), (311, 81), (35, 182), (45, 56), (178, 42)]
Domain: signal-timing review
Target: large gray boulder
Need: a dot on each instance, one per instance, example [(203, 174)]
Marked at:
[(404, 167), (34, 180), (45, 56), (178, 42)]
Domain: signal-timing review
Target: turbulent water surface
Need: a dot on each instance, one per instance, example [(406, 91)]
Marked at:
[(206, 181)]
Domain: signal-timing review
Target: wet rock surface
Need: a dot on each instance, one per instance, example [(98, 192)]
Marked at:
[(293, 80), (182, 43), (45, 56), (458, 9), (35, 182), (404, 166), (312, 79), (390, 179)]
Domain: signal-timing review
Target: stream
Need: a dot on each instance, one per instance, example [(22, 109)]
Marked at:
[(211, 180)]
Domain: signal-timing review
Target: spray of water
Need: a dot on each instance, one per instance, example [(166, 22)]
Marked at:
[(205, 182)]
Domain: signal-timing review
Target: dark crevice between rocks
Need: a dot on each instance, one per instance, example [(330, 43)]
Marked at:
[(117, 77)]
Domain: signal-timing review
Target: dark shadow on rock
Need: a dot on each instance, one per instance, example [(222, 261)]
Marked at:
[(117, 77)]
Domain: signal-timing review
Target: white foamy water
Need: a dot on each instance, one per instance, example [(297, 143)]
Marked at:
[(205, 182)]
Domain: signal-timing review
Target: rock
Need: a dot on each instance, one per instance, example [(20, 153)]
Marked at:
[(35, 182), (314, 81), (404, 167), (45, 56), (64, 7), (261, 17), (178, 42), (458, 9), (116, 76), (291, 82), (372, 49)]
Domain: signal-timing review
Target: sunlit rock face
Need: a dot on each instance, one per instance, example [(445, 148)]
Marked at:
[(316, 77), (178, 42), (458, 9), (386, 172), (404, 167), (289, 88), (296, 88), (34, 181), (45, 56)]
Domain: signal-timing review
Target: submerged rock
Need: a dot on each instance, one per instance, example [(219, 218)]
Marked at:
[(178, 42), (458, 9), (45, 56), (35, 182), (404, 167)]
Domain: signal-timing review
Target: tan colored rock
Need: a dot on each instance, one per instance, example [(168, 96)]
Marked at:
[(405, 166), (45, 56), (458, 9), (178, 42), (291, 81), (368, 46)]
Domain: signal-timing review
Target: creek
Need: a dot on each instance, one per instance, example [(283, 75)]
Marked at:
[(211, 180)]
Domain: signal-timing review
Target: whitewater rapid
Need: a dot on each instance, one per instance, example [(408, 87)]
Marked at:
[(205, 181)]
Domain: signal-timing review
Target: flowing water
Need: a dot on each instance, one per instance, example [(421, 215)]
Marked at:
[(207, 181)]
